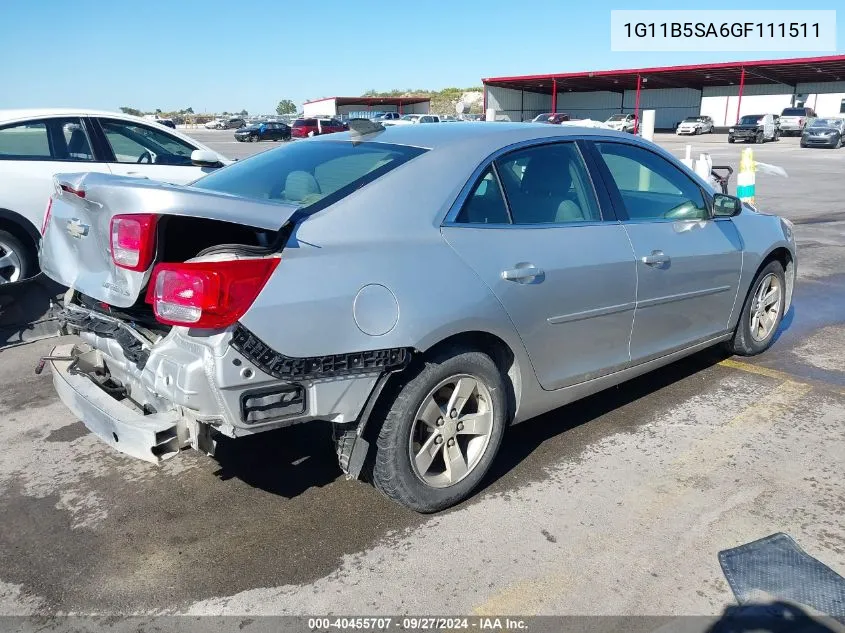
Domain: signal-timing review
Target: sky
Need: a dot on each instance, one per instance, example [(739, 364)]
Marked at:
[(217, 56)]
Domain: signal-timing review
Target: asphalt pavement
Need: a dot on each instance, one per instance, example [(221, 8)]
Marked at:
[(615, 505)]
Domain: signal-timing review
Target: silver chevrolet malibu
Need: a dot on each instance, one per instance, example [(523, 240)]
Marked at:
[(419, 287)]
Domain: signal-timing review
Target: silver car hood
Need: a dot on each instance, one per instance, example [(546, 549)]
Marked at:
[(75, 248)]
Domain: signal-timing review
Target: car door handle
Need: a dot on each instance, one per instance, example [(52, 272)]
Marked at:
[(522, 272), (657, 258)]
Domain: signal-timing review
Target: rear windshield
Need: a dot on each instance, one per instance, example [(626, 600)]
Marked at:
[(309, 175), (617, 117), (305, 123), (794, 112), (826, 123)]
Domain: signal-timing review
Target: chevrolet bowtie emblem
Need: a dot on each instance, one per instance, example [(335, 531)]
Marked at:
[(75, 228)]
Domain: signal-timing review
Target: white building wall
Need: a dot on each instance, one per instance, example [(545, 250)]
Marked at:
[(517, 105), (671, 105), (323, 107), (720, 102), (597, 105)]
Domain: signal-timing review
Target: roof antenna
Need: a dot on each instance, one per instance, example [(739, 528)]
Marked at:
[(363, 127)]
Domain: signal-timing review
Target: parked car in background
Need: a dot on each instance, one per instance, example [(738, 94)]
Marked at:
[(387, 116), (218, 327), (695, 125), (306, 127), (232, 123), (551, 117), (793, 120), (35, 144), (827, 132), (214, 124), (267, 131), (166, 123), (622, 122), (414, 119), (758, 128)]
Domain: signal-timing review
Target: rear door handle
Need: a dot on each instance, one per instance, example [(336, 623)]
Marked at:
[(522, 272), (657, 258)]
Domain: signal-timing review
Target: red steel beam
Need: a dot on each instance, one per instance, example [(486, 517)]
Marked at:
[(741, 86)]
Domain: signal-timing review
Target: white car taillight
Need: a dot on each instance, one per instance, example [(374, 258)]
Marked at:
[(207, 294), (133, 240)]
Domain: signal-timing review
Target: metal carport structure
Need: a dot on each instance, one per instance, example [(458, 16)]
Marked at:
[(826, 72)]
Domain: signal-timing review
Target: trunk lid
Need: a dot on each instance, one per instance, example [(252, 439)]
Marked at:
[(75, 246)]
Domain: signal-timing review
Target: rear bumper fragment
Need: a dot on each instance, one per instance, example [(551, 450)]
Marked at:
[(151, 437)]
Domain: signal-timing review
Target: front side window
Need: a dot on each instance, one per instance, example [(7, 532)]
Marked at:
[(135, 143), (651, 187), (485, 205), (25, 141), (309, 175), (548, 184)]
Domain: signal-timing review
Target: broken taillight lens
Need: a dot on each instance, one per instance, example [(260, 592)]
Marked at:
[(207, 294), (47, 215), (133, 240)]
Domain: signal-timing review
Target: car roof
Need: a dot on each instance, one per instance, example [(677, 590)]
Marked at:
[(488, 138), (27, 113)]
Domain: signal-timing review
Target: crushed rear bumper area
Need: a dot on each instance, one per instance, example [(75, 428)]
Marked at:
[(151, 437)]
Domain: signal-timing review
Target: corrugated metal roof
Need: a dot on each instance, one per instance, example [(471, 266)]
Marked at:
[(773, 71)]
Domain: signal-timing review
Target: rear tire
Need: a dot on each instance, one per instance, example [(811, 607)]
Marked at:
[(420, 416), (760, 138), (755, 335), (730, 140), (17, 259)]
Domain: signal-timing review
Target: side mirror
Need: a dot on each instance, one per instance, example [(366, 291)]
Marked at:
[(725, 206), (205, 158)]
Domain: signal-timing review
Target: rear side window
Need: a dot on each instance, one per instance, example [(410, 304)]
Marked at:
[(309, 175), (548, 184), (305, 123), (26, 140), (794, 112), (485, 205)]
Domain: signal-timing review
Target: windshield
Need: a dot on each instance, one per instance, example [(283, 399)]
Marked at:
[(306, 174), (692, 119), (750, 119), (617, 117), (794, 112), (826, 123), (410, 117)]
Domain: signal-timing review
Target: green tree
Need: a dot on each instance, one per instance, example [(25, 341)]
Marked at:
[(243, 113), (286, 106), (132, 111)]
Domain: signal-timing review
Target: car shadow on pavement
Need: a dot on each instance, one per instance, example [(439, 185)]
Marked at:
[(284, 462), (25, 310), (519, 451)]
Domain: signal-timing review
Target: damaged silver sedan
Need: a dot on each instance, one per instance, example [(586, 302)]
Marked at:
[(419, 287)]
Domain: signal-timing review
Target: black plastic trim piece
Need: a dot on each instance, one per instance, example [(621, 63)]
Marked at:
[(285, 367)]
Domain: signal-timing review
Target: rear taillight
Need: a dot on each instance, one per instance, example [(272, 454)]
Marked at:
[(47, 216), (801, 121), (207, 294), (133, 241)]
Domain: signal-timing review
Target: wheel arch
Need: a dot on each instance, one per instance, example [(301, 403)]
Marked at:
[(787, 260), (19, 226)]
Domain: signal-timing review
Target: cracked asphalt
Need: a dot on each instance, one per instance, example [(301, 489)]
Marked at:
[(615, 505)]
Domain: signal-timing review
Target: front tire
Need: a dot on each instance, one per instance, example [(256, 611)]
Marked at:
[(442, 431), (762, 313), (17, 262)]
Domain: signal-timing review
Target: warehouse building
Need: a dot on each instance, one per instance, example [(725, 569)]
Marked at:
[(723, 91), (365, 106)]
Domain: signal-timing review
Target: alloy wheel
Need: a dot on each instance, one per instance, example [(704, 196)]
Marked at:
[(11, 265), (451, 431), (766, 307)]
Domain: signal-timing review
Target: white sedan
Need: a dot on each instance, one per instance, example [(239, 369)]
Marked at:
[(35, 144), (695, 125), (413, 119)]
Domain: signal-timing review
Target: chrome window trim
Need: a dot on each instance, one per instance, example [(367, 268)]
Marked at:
[(469, 186)]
